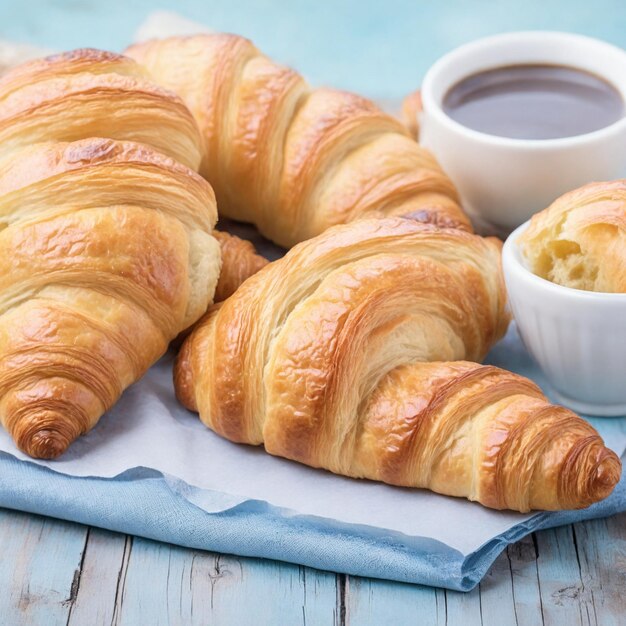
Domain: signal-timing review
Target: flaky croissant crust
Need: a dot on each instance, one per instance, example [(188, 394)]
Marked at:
[(349, 354), (91, 93), (580, 240), (106, 246), (75, 93), (239, 262), (290, 159)]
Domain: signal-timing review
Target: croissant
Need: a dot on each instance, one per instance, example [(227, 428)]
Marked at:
[(350, 354), (411, 109), (239, 262), (580, 240), (106, 245), (289, 159)]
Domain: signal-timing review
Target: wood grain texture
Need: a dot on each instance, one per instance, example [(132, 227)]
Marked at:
[(564, 599), (373, 602), (522, 558), (55, 572), (39, 568), (601, 552), (188, 587), (104, 560)]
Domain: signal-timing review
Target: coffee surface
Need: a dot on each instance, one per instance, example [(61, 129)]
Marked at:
[(534, 102)]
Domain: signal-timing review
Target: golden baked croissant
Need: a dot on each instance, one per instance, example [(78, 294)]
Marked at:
[(580, 240), (289, 159), (349, 354), (106, 243), (91, 93)]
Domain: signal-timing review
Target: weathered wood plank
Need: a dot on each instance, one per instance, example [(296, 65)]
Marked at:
[(522, 558), (380, 602), (165, 584), (464, 608), (39, 568), (601, 550), (497, 602), (564, 598), (54, 572), (104, 560)]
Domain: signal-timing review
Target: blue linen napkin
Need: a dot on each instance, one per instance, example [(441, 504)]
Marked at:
[(147, 503), (142, 502)]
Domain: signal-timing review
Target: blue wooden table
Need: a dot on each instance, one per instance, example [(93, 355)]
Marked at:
[(55, 572)]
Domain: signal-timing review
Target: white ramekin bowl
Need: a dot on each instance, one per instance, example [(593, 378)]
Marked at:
[(577, 337), (503, 181)]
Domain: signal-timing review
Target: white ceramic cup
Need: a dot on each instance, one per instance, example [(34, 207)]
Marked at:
[(577, 337), (504, 181)]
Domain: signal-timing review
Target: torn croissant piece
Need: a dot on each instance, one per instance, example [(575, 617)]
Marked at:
[(239, 262), (580, 240), (106, 244), (290, 159), (350, 354)]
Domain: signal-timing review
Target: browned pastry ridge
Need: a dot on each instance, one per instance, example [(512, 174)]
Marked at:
[(351, 354), (239, 261), (579, 241), (105, 246), (290, 159)]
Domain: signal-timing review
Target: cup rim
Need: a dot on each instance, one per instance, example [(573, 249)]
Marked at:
[(432, 107), (512, 260)]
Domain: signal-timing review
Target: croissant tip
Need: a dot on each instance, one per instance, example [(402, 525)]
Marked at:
[(607, 475), (46, 444)]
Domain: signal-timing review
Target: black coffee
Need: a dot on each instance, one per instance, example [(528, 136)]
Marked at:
[(534, 102)]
